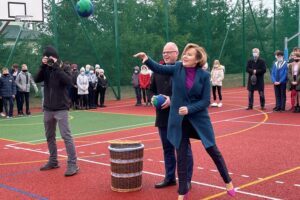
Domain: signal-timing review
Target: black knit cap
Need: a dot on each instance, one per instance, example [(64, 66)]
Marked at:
[(50, 51)]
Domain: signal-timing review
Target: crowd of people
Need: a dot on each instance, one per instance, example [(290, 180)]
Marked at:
[(86, 92)]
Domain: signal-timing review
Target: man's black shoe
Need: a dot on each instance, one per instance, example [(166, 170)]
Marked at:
[(165, 184), (277, 110), (49, 166), (249, 108)]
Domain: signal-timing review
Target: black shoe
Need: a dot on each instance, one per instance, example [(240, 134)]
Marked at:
[(189, 185), (249, 108), (138, 104), (102, 106), (262, 108), (71, 170), (28, 113), (49, 166), (164, 184), (277, 110)]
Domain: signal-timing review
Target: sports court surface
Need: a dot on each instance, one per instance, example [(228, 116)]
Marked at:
[(261, 149)]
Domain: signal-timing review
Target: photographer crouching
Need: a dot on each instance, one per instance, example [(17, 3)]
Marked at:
[(57, 78)]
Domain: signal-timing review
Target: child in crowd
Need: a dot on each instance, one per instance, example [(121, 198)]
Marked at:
[(83, 89), (136, 85), (7, 92), (293, 84), (279, 78), (144, 79), (217, 76)]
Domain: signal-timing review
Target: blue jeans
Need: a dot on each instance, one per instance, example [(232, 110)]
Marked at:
[(8, 103), (280, 94), (170, 159)]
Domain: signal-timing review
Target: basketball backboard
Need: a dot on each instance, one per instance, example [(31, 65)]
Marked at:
[(9, 9)]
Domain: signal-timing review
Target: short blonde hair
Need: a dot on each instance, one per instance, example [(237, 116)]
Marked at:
[(201, 55)]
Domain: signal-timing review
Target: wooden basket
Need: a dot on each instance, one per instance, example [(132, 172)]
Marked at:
[(126, 165)]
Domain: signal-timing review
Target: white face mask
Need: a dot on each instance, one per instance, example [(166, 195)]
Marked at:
[(279, 59), (255, 55), (82, 73), (91, 72), (136, 71)]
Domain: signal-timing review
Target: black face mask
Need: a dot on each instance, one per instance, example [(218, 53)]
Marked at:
[(24, 70), (5, 74)]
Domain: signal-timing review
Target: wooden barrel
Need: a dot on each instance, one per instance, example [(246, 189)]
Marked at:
[(126, 159)]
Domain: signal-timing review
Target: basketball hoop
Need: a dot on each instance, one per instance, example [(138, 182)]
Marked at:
[(23, 18)]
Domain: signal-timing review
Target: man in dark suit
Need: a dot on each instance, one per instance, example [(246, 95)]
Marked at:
[(162, 84), (256, 68)]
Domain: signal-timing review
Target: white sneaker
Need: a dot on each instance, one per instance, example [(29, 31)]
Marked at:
[(220, 105), (214, 104)]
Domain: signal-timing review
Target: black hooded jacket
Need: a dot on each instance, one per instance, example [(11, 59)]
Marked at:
[(57, 80)]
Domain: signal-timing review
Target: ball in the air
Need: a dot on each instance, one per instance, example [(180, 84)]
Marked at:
[(158, 101), (84, 8)]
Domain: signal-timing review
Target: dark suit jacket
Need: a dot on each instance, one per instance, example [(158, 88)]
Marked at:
[(197, 100)]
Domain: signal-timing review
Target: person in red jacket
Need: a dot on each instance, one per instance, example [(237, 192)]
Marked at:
[(144, 79)]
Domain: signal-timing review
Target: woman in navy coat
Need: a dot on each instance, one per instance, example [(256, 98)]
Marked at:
[(188, 113)]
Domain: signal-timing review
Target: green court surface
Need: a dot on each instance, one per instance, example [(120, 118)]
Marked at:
[(31, 129)]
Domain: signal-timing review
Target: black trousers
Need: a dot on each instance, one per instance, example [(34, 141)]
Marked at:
[(102, 95), (18, 101), (1, 105), (92, 102), (24, 97), (219, 88), (83, 101), (251, 98), (182, 155), (280, 94)]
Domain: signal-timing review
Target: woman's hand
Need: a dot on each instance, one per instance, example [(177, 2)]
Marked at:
[(183, 110), (167, 102), (142, 56)]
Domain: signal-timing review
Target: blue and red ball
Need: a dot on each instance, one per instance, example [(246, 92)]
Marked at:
[(84, 8), (158, 101)]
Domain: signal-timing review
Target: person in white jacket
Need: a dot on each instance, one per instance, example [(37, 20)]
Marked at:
[(217, 76), (23, 81), (83, 89)]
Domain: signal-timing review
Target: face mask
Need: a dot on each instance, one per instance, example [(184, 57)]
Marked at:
[(255, 55), (5, 74), (215, 66), (91, 72), (101, 75), (82, 73), (136, 71), (24, 70)]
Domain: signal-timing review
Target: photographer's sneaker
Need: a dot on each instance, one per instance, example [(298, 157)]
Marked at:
[(71, 170), (49, 166)]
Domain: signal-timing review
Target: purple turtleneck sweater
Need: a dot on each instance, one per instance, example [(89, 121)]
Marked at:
[(190, 73)]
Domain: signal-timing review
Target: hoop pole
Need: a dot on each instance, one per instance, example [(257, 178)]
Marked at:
[(14, 48), (227, 32), (117, 43), (244, 46)]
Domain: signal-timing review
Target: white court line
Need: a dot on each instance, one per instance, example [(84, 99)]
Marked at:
[(88, 132), (154, 174), (266, 123)]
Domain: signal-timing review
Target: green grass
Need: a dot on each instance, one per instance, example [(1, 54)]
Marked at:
[(31, 129)]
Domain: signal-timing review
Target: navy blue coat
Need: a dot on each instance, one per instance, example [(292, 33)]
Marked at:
[(7, 86), (197, 100)]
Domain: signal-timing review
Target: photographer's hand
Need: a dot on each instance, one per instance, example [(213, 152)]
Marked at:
[(54, 59)]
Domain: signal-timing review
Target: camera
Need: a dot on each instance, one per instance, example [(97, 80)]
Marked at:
[(291, 60), (50, 62)]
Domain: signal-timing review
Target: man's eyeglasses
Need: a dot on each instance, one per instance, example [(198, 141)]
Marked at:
[(168, 52)]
